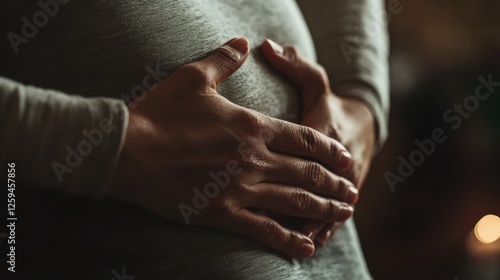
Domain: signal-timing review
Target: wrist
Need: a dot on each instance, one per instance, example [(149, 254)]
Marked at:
[(357, 127), (357, 122), (137, 129)]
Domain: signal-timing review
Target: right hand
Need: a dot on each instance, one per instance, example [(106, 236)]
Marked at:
[(192, 156)]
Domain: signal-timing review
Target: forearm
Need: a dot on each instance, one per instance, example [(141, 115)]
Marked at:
[(58, 141)]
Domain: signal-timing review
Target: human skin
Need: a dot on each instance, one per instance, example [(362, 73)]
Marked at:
[(183, 130), (345, 119)]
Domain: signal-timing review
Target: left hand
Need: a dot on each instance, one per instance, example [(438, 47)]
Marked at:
[(345, 119)]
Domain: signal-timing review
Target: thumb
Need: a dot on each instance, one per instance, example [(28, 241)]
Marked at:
[(223, 61), (305, 74)]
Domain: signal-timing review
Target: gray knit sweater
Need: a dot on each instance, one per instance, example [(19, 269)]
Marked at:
[(66, 68)]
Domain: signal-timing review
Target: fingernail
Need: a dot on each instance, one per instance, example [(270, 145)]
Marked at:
[(307, 249), (325, 238), (276, 47), (310, 234), (240, 44), (345, 159), (353, 195), (328, 234)]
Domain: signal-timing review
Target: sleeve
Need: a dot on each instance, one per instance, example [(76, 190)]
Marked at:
[(352, 45), (59, 141)]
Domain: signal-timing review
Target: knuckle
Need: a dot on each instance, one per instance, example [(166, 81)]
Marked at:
[(195, 74), (332, 211), (333, 130), (252, 124), (340, 189), (270, 229), (321, 72), (221, 215), (268, 128), (309, 139), (221, 210), (226, 55), (343, 189), (253, 160), (322, 83), (315, 175), (335, 152), (301, 201), (292, 53), (244, 189), (336, 186), (308, 70), (293, 239)]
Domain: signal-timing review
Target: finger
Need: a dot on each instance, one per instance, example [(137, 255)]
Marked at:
[(303, 73), (311, 176), (301, 141), (297, 202), (326, 233), (269, 232), (318, 231), (219, 64), (311, 228)]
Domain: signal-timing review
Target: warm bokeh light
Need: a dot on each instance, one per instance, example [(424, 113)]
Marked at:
[(487, 230)]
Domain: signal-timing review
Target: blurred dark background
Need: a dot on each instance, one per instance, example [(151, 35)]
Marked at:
[(423, 228)]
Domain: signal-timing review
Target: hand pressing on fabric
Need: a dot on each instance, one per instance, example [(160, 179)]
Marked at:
[(345, 119), (192, 156)]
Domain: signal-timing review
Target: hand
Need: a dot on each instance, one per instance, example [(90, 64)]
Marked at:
[(345, 119), (192, 156)]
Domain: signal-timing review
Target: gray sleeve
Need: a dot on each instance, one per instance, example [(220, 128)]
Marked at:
[(60, 141), (352, 44)]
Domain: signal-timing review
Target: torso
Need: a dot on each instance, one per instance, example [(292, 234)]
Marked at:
[(101, 48)]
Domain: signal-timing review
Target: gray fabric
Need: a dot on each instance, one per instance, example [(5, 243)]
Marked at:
[(104, 48), (59, 141), (107, 48), (351, 41), (102, 236)]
